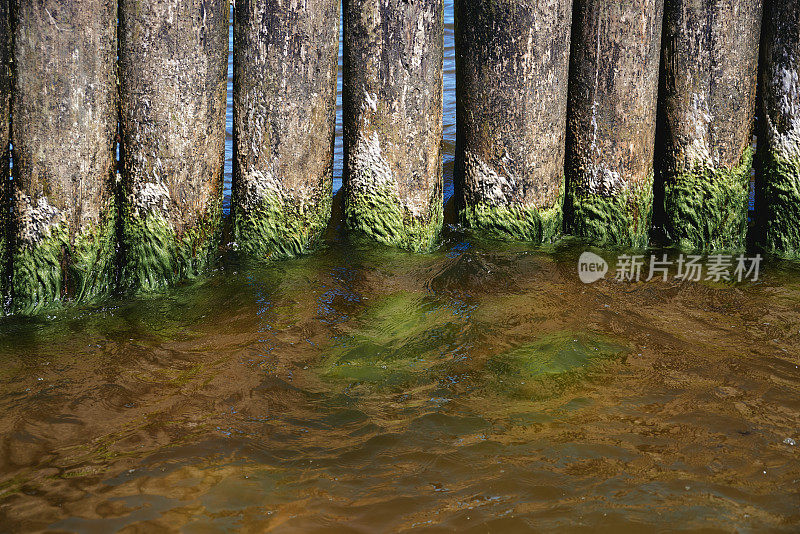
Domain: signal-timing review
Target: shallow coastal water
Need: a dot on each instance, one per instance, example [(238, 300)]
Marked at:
[(481, 387)]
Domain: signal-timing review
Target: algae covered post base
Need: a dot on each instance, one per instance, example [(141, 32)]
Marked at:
[(710, 58), (706, 207), (392, 106), (285, 68), (512, 68), (173, 77), (779, 179), (65, 117), (612, 118)]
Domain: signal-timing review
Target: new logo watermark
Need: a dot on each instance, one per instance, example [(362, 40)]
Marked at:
[(690, 268), (591, 268)]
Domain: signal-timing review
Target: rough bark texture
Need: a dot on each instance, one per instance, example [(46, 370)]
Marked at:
[(710, 58), (5, 132), (612, 118), (512, 68), (173, 73), (285, 65), (393, 60), (65, 120), (779, 188)]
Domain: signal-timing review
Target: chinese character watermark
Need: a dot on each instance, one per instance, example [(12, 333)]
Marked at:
[(687, 267)]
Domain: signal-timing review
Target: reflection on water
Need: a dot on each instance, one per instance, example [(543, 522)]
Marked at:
[(481, 387)]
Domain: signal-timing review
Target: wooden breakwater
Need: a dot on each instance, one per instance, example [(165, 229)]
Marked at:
[(614, 121)]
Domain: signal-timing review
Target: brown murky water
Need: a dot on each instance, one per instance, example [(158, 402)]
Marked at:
[(480, 388)]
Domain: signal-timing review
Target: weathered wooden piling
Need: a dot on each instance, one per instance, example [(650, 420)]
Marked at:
[(284, 104), (5, 138), (779, 177), (710, 70), (512, 69), (64, 126), (611, 119), (173, 79), (392, 105)]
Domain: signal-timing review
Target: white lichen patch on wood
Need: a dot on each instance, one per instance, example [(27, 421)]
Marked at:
[(485, 184), (150, 198), (36, 219), (370, 172), (783, 124), (697, 149), (603, 181)]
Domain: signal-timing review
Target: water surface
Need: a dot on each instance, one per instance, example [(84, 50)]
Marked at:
[(480, 387)]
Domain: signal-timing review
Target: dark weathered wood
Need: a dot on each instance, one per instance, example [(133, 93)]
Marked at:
[(393, 61), (5, 133), (710, 69), (64, 126), (173, 74), (512, 68), (285, 65), (611, 120), (778, 206)]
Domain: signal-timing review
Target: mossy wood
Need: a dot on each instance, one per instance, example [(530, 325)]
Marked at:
[(779, 179), (285, 69), (64, 126), (173, 76), (5, 137), (512, 68), (710, 70), (612, 119), (392, 105)]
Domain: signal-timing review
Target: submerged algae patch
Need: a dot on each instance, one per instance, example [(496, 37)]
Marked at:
[(781, 202), (550, 363), (706, 208), (622, 219), (399, 342)]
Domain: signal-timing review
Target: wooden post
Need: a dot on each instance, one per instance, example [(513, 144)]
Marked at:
[(779, 179), (512, 68), (611, 121), (710, 58), (392, 104), (64, 127), (173, 73), (285, 67), (5, 139)]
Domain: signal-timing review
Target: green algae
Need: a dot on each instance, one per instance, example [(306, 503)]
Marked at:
[(59, 269), (622, 220), (516, 222), (550, 363), (780, 203), (281, 229), (155, 256), (93, 270), (705, 208), (37, 274), (382, 217), (399, 342)]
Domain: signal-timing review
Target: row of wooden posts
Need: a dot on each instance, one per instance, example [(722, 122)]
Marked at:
[(558, 109)]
